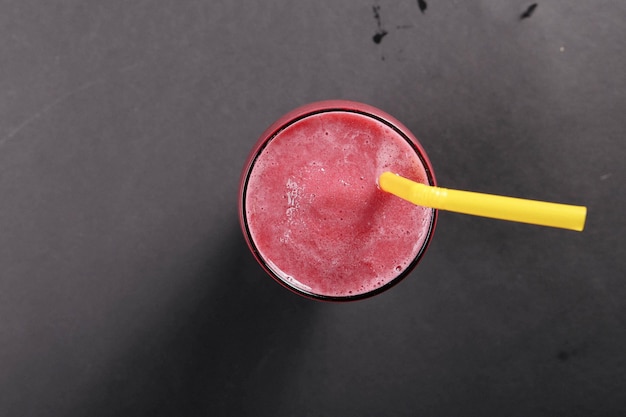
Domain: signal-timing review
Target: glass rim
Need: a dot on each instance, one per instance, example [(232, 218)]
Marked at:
[(301, 113)]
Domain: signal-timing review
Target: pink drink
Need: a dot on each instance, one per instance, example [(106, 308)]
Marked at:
[(312, 212)]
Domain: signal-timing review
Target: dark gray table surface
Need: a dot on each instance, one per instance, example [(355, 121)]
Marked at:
[(126, 288)]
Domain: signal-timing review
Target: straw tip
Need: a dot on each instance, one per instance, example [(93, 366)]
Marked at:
[(383, 181), (583, 219)]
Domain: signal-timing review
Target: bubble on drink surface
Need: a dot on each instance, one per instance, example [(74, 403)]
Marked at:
[(294, 195)]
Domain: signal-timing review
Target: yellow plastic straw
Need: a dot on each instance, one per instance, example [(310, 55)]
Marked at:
[(485, 205)]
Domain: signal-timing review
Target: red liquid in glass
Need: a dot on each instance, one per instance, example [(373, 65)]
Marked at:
[(314, 214)]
